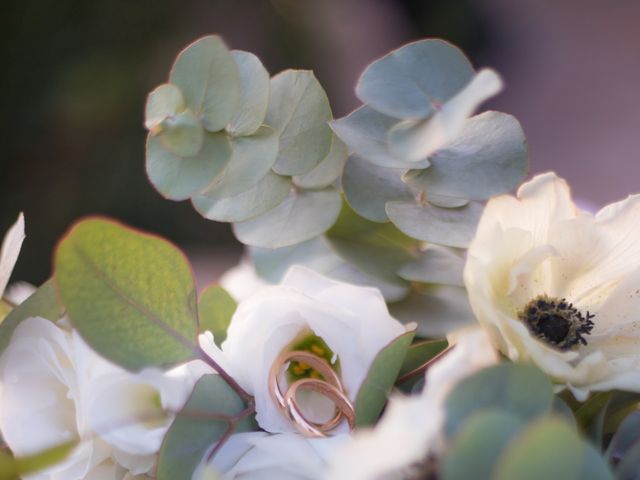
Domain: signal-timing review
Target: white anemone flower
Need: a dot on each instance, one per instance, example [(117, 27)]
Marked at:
[(410, 430), (560, 287), (57, 389), (348, 325), (282, 456)]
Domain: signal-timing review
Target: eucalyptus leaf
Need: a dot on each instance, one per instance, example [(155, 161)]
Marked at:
[(328, 170), (379, 381), (367, 188), (627, 436), (415, 80), (549, 448), (365, 132), (436, 264), (42, 303), (522, 390), (215, 308), (478, 446), (629, 466), (438, 310), (267, 194), (179, 178), (254, 94), (131, 295), (207, 75), (417, 355), (212, 409), (454, 227), (166, 100), (414, 140), (299, 111), (182, 134), (487, 158), (301, 216), (251, 159)]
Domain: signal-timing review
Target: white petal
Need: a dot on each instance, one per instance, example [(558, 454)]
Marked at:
[(10, 251)]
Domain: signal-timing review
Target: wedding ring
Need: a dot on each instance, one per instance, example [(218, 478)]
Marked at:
[(308, 428)]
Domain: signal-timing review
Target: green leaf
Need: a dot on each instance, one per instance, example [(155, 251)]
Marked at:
[(267, 194), (629, 466), (454, 227), (131, 295), (42, 303), (379, 381), (414, 80), (487, 158), (368, 188), (179, 178), (299, 111), (436, 264), (478, 446), (12, 468), (627, 436), (358, 240), (254, 94), (300, 217), (438, 310), (549, 448), (414, 140), (181, 134), (166, 100), (216, 307), (328, 170), (212, 408), (251, 159), (365, 132), (208, 77), (421, 352), (522, 390)]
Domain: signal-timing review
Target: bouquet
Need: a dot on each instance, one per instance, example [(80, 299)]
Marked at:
[(397, 314)]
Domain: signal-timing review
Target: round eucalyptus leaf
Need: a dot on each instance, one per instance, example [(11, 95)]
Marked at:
[(299, 111), (436, 264), (208, 77), (301, 216), (489, 157), (251, 159), (365, 132), (550, 448), (179, 178), (182, 134), (454, 227), (368, 188), (328, 170), (477, 448), (164, 101), (254, 94), (414, 80), (414, 140), (265, 195), (438, 310)]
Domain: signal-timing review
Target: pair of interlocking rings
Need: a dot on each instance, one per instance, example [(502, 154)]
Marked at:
[(330, 387)]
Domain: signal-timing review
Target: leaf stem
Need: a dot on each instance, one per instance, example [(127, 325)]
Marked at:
[(205, 357)]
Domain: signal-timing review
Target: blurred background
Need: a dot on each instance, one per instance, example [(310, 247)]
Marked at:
[(75, 77)]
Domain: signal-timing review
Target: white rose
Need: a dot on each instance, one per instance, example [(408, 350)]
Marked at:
[(56, 388), (283, 456), (411, 427), (346, 324), (242, 281), (559, 287)]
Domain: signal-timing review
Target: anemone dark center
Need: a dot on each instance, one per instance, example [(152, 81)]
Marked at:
[(557, 322)]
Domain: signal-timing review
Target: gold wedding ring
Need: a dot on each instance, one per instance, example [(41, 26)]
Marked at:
[(330, 387)]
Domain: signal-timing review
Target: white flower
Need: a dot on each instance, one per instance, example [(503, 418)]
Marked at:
[(56, 388), (559, 287), (283, 456), (10, 250), (352, 323), (411, 427)]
